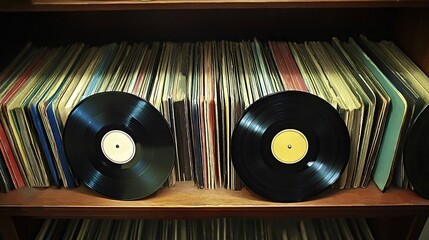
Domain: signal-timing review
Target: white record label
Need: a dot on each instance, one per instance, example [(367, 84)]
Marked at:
[(118, 146)]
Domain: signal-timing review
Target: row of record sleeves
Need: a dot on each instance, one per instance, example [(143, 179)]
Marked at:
[(202, 89), (223, 228)]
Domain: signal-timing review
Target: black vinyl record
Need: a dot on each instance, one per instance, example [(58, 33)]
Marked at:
[(416, 154), (119, 145), (290, 146)]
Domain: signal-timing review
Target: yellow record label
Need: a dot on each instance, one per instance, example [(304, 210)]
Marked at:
[(289, 146)]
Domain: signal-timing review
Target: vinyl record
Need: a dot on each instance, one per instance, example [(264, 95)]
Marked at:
[(119, 145), (416, 154), (290, 146)]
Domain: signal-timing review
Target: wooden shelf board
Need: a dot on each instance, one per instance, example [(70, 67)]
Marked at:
[(186, 201), (79, 5)]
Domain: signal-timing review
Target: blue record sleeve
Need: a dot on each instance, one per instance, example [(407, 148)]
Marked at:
[(44, 143), (56, 131)]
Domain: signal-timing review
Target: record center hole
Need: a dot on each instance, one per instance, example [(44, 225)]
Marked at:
[(289, 146), (117, 145)]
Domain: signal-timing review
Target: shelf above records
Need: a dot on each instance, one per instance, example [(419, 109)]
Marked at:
[(73, 5), (186, 201)]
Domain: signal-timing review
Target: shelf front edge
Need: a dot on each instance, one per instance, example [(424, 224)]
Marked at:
[(186, 201)]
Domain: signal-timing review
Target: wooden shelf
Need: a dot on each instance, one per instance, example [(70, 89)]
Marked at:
[(186, 201), (80, 5)]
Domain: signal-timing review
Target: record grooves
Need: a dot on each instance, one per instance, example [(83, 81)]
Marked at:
[(290, 146), (416, 152), (119, 145)]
